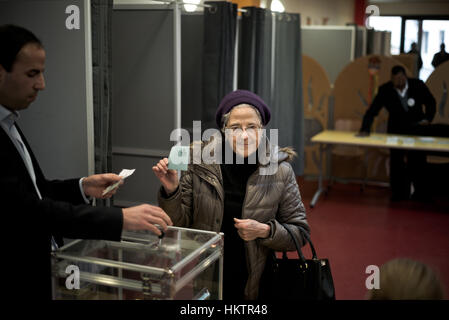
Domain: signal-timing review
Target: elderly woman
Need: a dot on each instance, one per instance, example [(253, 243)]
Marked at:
[(248, 205)]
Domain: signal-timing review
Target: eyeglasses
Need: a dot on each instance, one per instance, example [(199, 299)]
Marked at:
[(252, 129)]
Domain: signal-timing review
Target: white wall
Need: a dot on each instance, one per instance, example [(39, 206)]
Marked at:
[(59, 124), (339, 12), (412, 7)]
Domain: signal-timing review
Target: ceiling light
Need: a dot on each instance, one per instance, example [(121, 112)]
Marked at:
[(191, 5), (277, 6)]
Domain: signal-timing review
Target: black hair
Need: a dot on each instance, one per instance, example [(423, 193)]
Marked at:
[(396, 69), (12, 40)]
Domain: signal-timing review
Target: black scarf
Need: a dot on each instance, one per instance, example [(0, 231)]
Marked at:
[(235, 178)]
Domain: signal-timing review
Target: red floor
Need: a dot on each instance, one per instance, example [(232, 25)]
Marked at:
[(356, 229)]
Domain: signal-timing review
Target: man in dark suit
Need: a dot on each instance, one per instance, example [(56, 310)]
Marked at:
[(440, 57), (414, 50), (35, 211), (404, 99)]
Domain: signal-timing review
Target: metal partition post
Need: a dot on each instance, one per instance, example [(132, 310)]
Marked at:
[(402, 34), (353, 34), (273, 55), (89, 90), (177, 67), (177, 62), (236, 53)]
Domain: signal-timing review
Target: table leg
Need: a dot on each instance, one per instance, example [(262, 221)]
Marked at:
[(320, 179)]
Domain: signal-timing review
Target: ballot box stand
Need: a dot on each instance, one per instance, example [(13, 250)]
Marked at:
[(186, 264)]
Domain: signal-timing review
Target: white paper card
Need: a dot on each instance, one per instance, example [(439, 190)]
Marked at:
[(426, 139), (392, 140), (408, 141), (125, 173), (179, 158)]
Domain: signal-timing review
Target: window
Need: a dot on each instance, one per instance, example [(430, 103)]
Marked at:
[(392, 24), (425, 42), (433, 36)]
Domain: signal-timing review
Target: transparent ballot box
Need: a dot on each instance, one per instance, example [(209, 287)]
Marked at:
[(185, 264)]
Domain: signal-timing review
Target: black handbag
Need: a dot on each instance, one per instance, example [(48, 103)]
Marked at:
[(297, 279)]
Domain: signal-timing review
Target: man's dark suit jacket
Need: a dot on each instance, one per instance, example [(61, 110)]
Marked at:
[(28, 223), (400, 121)]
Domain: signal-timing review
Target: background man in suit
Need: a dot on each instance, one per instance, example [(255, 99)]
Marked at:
[(404, 99), (34, 210), (440, 57), (414, 50)]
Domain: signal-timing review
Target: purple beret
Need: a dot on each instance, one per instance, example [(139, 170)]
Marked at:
[(242, 97)]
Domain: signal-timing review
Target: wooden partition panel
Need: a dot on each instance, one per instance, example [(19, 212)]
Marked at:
[(438, 84), (316, 90)]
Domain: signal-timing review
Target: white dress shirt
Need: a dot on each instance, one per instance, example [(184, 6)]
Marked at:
[(403, 91)]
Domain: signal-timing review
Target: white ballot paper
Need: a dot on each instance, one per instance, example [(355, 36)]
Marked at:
[(392, 140), (125, 173), (408, 141), (179, 158)]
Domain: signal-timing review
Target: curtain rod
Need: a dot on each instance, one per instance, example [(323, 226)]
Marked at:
[(211, 6), (182, 2)]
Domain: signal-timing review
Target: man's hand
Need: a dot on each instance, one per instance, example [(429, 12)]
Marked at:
[(144, 217), (93, 186), (249, 229), (167, 177), (362, 134)]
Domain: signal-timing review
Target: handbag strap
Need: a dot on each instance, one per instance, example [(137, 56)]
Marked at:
[(307, 236), (298, 247)]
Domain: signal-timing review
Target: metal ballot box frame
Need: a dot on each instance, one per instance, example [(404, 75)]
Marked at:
[(186, 264)]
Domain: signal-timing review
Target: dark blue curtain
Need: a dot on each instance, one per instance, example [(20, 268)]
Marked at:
[(270, 65), (101, 17), (255, 48), (218, 56)]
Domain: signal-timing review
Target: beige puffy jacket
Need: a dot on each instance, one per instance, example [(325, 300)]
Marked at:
[(199, 203)]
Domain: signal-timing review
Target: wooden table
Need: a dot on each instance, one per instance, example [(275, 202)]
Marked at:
[(375, 140)]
